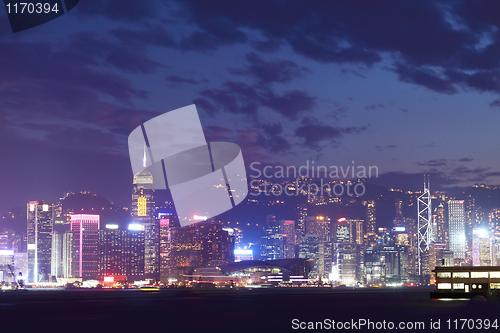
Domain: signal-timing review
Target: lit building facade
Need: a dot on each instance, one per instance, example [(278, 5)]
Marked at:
[(456, 222), (85, 229), (481, 247), (143, 209), (39, 237), (111, 253)]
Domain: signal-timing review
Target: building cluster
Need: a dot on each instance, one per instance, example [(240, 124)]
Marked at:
[(63, 245), (356, 252)]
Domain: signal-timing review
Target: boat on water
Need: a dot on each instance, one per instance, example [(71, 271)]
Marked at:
[(149, 287)]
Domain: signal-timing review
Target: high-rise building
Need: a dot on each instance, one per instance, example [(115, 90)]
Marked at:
[(442, 228), (85, 228), (166, 227), (320, 226), (370, 223), (134, 251), (143, 209), (456, 223), (193, 246), (111, 259), (40, 220), (288, 239), (271, 247), (481, 247), (62, 251)]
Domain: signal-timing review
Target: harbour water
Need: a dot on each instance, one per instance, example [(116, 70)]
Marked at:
[(265, 310)]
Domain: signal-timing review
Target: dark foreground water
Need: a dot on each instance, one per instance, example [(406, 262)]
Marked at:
[(269, 310)]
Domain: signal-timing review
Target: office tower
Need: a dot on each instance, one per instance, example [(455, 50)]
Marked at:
[(143, 208), (320, 226), (481, 247), (442, 230), (134, 251), (373, 266), (435, 258), (301, 224), (271, 247), (345, 256), (471, 219), (85, 228), (21, 265), (288, 235), (62, 252), (495, 250), (166, 227), (456, 223), (195, 245), (238, 237), (494, 220), (309, 249), (370, 223), (395, 264), (39, 237), (111, 261), (398, 217)]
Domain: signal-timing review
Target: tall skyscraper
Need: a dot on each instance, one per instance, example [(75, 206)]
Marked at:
[(442, 229), (85, 228), (456, 223), (370, 223), (288, 238), (62, 252), (111, 258), (40, 220), (143, 209), (271, 247), (166, 227), (134, 251), (481, 247)]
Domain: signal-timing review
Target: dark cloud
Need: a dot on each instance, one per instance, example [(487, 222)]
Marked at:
[(272, 138), (427, 48), (466, 159), (426, 78), (374, 106), (495, 103), (121, 10), (155, 35), (313, 133), (178, 79), (268, 72), (218, 133), (434, 163), (241, 98)]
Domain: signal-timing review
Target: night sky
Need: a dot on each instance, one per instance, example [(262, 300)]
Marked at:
[(409, 86)]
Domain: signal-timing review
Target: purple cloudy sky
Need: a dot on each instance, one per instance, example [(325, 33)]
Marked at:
[(409, 86)]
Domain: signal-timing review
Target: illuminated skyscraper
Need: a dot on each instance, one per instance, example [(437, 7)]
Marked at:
[(166, 227), (370, 223), (40, 220), (456, 222), (134, 251), (111, 253), (288, 239), (481, 247), (271, 247), (442, 230), (62, 252), (85, 228), (143, 206)]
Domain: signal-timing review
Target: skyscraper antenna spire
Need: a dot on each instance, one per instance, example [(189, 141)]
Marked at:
[(144, 158)]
